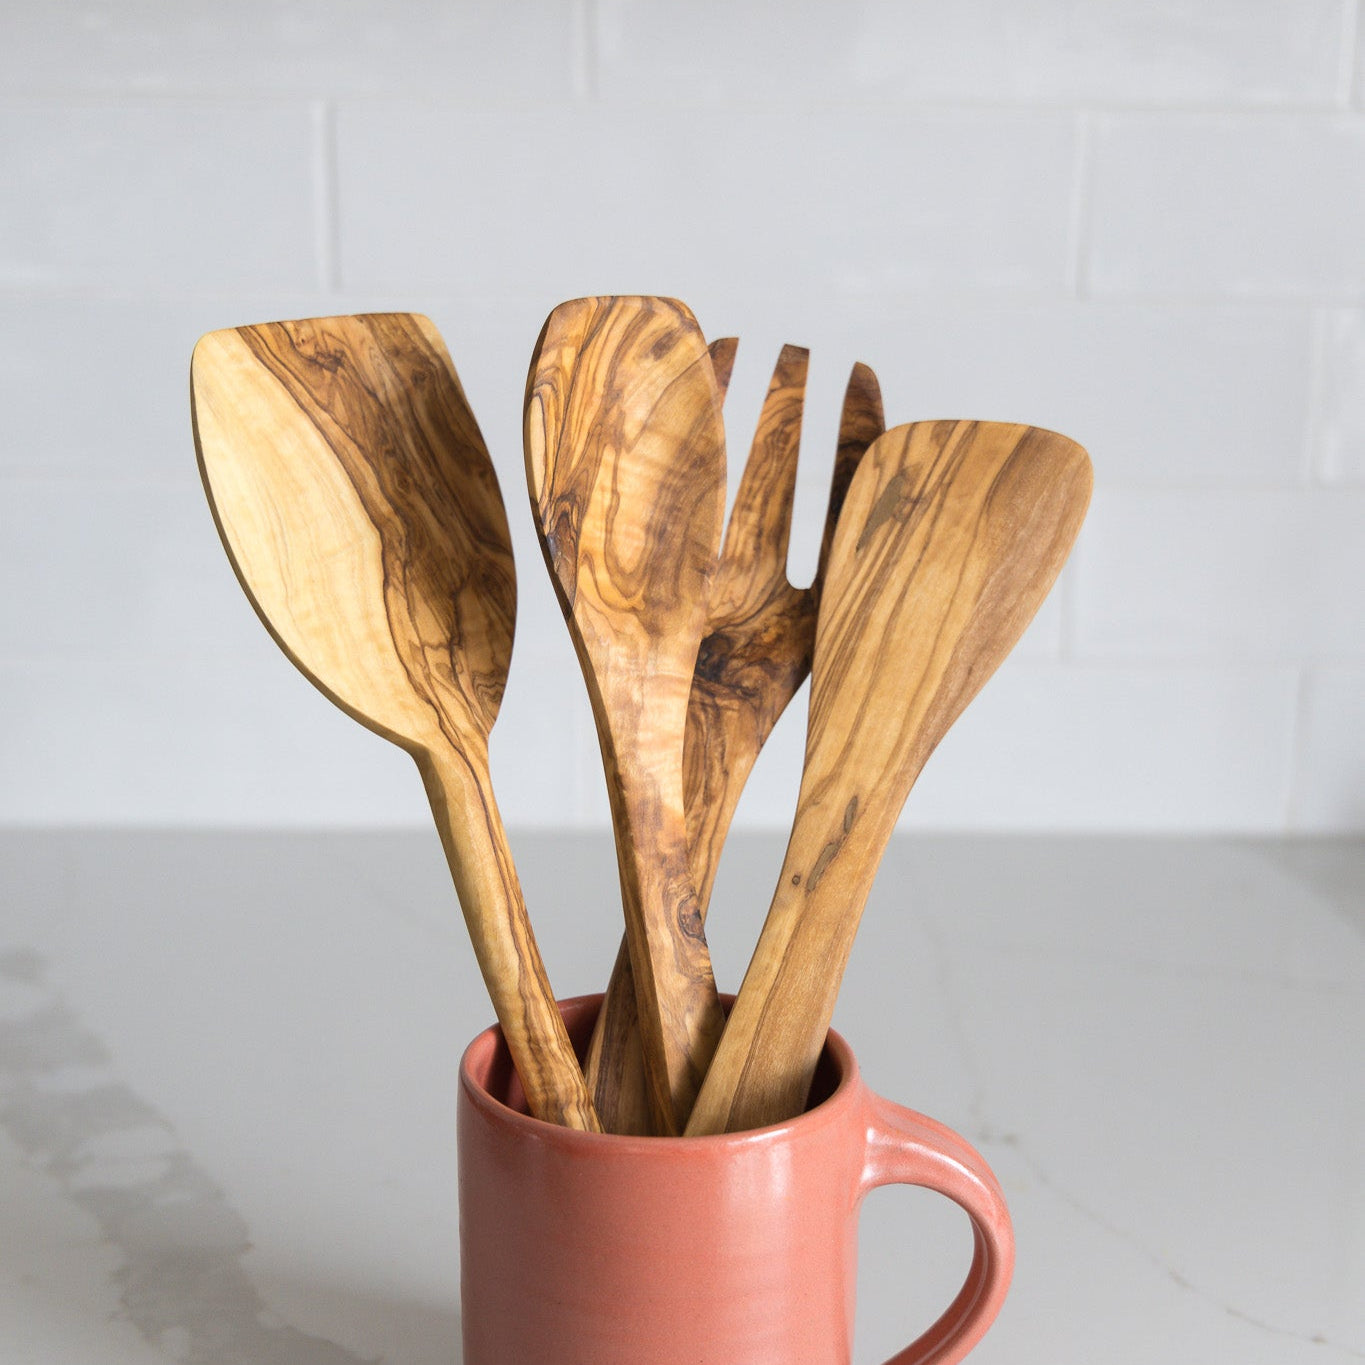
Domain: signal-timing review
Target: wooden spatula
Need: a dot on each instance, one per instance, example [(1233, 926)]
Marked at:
[(754, 657), (950, 537), (362, 515), (626, 465)]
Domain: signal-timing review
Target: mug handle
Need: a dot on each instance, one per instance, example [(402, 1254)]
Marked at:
[(905, 1148)]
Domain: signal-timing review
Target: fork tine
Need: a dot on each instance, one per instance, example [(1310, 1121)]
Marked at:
[(860, 423), (722, 351), (760, 521)]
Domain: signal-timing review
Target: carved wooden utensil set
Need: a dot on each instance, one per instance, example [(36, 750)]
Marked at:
[(359, 507)]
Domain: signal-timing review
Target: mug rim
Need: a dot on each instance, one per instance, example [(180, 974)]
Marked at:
[(830, 1110)]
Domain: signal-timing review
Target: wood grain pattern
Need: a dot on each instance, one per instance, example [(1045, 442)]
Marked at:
[(754, 657), (722, 352), (950, 537), (760, 628), (360, 510), (626, 468)]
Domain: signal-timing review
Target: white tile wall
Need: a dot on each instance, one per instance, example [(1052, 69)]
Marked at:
[(1141, 225), (264, 48), (1087, 747), (97, 740), (702, 203), (1331, 778), (1227, 205), (1339, 412), (1217, 52), (1223, 575), (128, 595), (125, 418), (1163, 395), (147, 196)]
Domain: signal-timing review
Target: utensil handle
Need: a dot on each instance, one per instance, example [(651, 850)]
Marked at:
[(615, 1063), (490, 895), (905, 1148), (679, 1014), (722, 741)]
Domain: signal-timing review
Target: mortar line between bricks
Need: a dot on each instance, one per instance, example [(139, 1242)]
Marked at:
[(1069, 624), (1078, 226), (1298, 732), (1218, 106), (585, 57), (986, 294), (1310, 461), (326, 209), (1350, 39)]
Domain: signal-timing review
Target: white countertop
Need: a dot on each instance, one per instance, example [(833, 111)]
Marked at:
[(227, 1088)]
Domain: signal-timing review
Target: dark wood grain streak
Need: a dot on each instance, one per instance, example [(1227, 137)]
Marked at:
[(754, 657), (449, 586), (722, 352), (950, 537), (361, 512)]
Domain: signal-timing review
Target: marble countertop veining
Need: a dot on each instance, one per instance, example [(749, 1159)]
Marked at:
[(227, 1092)]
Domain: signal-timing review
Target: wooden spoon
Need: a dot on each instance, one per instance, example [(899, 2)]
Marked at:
[(951, 535), (754, 657), (626, 466), (362, 515)]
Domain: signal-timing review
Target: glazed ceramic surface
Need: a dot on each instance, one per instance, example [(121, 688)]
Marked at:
[(729, 1250)]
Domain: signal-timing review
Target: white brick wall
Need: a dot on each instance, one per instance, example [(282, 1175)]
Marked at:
[(1142, 225), (1267, 206)]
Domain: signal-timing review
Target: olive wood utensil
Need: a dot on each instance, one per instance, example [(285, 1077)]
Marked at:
[(761, 629), (625, 463), (360, 510), (951, 535), (753, 659)]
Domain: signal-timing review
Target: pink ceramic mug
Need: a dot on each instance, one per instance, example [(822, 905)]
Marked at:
[(589, 1249)]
